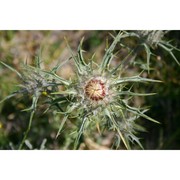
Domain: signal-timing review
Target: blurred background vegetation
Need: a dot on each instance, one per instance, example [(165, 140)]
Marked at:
[(17, 47)]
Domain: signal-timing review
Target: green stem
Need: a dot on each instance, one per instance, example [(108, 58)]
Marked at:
[(27, 131), (33, 109)]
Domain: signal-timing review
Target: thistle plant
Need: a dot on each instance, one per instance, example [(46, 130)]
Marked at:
[(98, 98), (35, 83), (149, 40)]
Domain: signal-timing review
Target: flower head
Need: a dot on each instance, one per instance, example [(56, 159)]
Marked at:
[(96, 89)]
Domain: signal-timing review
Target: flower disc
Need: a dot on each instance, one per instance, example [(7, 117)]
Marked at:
[(96, 89)]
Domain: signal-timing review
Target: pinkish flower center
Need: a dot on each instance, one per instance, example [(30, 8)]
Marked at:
[(96, 89)]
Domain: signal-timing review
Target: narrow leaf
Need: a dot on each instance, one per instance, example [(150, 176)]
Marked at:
[(148, 52), (109, 53), (138, 112), (61, 126), (80, 55), (170, 52), (8, 97), (135, 79), (79, 66), (81, 130), (57, 77), (116, 127), (12, 69), (135, 94), (65, 92)]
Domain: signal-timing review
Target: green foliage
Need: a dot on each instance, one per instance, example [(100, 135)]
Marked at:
[(99, 98)]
